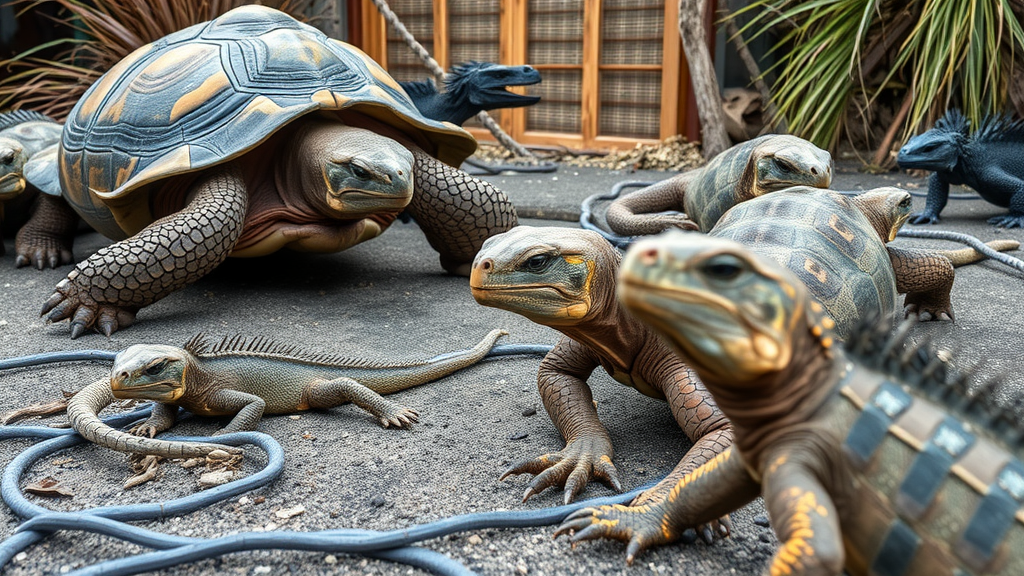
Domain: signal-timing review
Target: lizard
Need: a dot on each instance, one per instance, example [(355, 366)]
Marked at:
[(871, 457), (565, 278), (246, 378), (987, 159), (747, 170)]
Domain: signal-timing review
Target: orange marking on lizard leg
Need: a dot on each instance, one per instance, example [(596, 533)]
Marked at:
[(797, 546)]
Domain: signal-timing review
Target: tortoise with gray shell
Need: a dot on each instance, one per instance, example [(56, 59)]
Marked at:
[(838, 246), (28, 145), (247, 134)]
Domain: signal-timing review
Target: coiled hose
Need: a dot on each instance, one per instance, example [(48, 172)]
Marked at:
[(393, 545)]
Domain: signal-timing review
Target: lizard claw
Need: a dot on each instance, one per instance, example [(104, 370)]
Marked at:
[(641, 527), (926, 217), (572, 468), (398, 417)]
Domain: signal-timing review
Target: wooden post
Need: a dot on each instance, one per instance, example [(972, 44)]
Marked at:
[(714, 138)]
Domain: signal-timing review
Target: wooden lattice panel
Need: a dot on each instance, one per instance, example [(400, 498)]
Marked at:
[(418, 17)]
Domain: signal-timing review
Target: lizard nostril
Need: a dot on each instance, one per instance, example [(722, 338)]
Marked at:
[(649, 257), (486, 264)]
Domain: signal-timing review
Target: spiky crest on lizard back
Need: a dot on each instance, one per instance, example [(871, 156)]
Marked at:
[(201, 347), (923, 368)]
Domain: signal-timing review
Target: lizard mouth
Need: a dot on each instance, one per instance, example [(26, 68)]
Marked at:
[(153, 391), (11, 185)]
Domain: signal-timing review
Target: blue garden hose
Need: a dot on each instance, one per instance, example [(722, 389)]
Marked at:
[(173, 550), (622, 242)]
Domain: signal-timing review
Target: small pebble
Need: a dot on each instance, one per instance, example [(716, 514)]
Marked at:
[(294, 417), (20, 556), (531, 411), (259, 500), (518, 436), (378, 501), (761, 520), (475, 540), (331, 559), (244, 500), (269, 527), (287, 513), (689, 536), (521, 568), (261, 570)]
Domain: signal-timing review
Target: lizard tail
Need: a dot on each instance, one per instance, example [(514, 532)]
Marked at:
[(86, 404), (965, 256), (392, 379)]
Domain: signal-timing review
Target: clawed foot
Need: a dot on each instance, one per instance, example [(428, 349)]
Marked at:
[(70, 301), (642, 527), (572, 467), (144, 429), (926, 312), (43, 253), (1008, 221), (925, 217), (146, 468), (398, 417), (721, 528)]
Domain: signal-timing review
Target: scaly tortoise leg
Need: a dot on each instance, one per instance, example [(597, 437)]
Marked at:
[(804, 518), (457, 212), (107, 289), (47, 237), (634, 214), (711, 491), (331, 393), (926, 277), (588, 452), (695, 412)]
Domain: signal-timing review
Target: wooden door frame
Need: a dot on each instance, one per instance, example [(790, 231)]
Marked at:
[(676, 110)]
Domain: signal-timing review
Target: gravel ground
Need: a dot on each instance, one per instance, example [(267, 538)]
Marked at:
[(389, 299)]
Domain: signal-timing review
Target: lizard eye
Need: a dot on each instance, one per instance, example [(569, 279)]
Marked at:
[(536, 263), (156, 368), (360, 172), (723, 268)]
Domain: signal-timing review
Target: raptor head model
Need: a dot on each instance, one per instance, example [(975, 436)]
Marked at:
[(472, 87), (940, 148)]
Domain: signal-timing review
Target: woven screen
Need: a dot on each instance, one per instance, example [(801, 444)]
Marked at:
[(418, 17), (555, 36), (630, 100), (474, 33)]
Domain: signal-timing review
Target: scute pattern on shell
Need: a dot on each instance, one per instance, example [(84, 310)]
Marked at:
[(212, 92), (827, 242)]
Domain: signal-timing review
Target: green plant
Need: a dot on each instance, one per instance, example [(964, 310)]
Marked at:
[(940, 53), (107, 31)]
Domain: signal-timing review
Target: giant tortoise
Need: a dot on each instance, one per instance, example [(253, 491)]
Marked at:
[(243, 135)]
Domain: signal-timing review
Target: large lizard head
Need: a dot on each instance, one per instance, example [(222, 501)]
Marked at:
[(553, 276), (938, 149), (781, 161), (734, 316), (149, 372), (886, 208)]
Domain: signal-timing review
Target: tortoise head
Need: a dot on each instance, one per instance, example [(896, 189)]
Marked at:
[(732, 315), (149, 372), (886, 208), (12, 165), (352, 172), (782, 161), (553, 276)]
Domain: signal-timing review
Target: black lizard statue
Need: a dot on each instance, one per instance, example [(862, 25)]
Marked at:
[(471, 87), (990, 160)]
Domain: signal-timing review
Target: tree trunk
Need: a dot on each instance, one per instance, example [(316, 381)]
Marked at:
[(702, 76)]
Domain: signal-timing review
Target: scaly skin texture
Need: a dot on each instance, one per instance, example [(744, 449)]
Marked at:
[(107, 289), (457, 212), (862, 455), (565, 279), (46, 239), (322, 186), (246, 379), (745, 171), (988, 160)]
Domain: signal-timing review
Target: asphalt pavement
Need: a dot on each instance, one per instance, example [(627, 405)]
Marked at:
[(389, 299)]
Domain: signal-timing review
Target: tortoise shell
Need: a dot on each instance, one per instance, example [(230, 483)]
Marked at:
[(706, 198), (212, 92), (826, 241)]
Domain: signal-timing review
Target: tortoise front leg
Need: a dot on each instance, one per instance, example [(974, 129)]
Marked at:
[(804, 518), (107, 289), (926, 277), (635, 214), (718, 487), (457, 212), (47, 237)]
